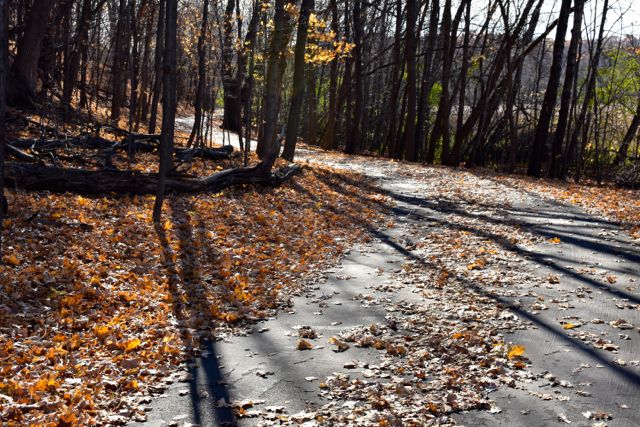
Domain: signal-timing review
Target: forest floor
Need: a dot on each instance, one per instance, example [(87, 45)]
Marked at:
[(492, 300), (461, 297)]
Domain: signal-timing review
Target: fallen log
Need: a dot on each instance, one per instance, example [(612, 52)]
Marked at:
[(99, 143), (83, 181), (84, 141), (18, 154)]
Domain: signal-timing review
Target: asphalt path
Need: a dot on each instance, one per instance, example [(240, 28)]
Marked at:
[(589, 280)]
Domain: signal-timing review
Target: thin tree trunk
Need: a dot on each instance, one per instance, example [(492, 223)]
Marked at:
[(169, 103), (119, 57), (631, 133), (427, 76), (354, 139), (202, 76), (293, 123), (555, 167), (459, 142), (550, 95), (575, 146), (328, 136), (411, 46), (4, 63), (157, 84)]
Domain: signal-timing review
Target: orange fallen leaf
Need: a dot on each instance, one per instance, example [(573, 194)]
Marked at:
[(11, 259), (304, 345), (341, 346), (515, 351), (101, 331), (132, 344)]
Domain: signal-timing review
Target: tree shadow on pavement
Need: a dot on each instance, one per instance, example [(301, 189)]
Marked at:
[(183, 272), (438, 209)]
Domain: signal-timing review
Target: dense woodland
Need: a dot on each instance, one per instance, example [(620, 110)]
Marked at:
[(501, 84)]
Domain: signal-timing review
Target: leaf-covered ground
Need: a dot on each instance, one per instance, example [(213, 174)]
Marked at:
[(98, 305)]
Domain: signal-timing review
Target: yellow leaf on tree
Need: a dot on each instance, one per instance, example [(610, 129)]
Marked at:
[(132, 344), (515, 351)]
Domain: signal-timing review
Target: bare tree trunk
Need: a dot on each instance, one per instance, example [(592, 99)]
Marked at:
[(621, 156), (231, 86), (293, 123), (456, 152), (575, 147), (144, 83), (354, 141), (311, 135), (202, 77), (391, 141), (273, 81), (411, 46), (4, 63), (551, 93), (118, 59), (157, 84), (328, 136), (169, 103), (555, 167), (71, 69), (427, 76), (21, 88)]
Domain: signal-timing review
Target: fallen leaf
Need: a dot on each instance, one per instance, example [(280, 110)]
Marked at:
[(304, 345)]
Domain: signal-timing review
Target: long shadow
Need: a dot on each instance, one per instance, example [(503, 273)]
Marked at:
[(184, 287), (539, 258), (625, 373), (533, 227)]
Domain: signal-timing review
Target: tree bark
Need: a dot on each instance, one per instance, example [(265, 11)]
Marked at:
[(169, 104), (551, 93), (21, 88), (157, 84), (411, 46), (555, 167), (427, 77), (574, 148), (202, 78), (4, 63), (328, 136), (293, 123), (118, 59), (273, 81)]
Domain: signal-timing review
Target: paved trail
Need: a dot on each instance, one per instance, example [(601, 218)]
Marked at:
[(566, 294)]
